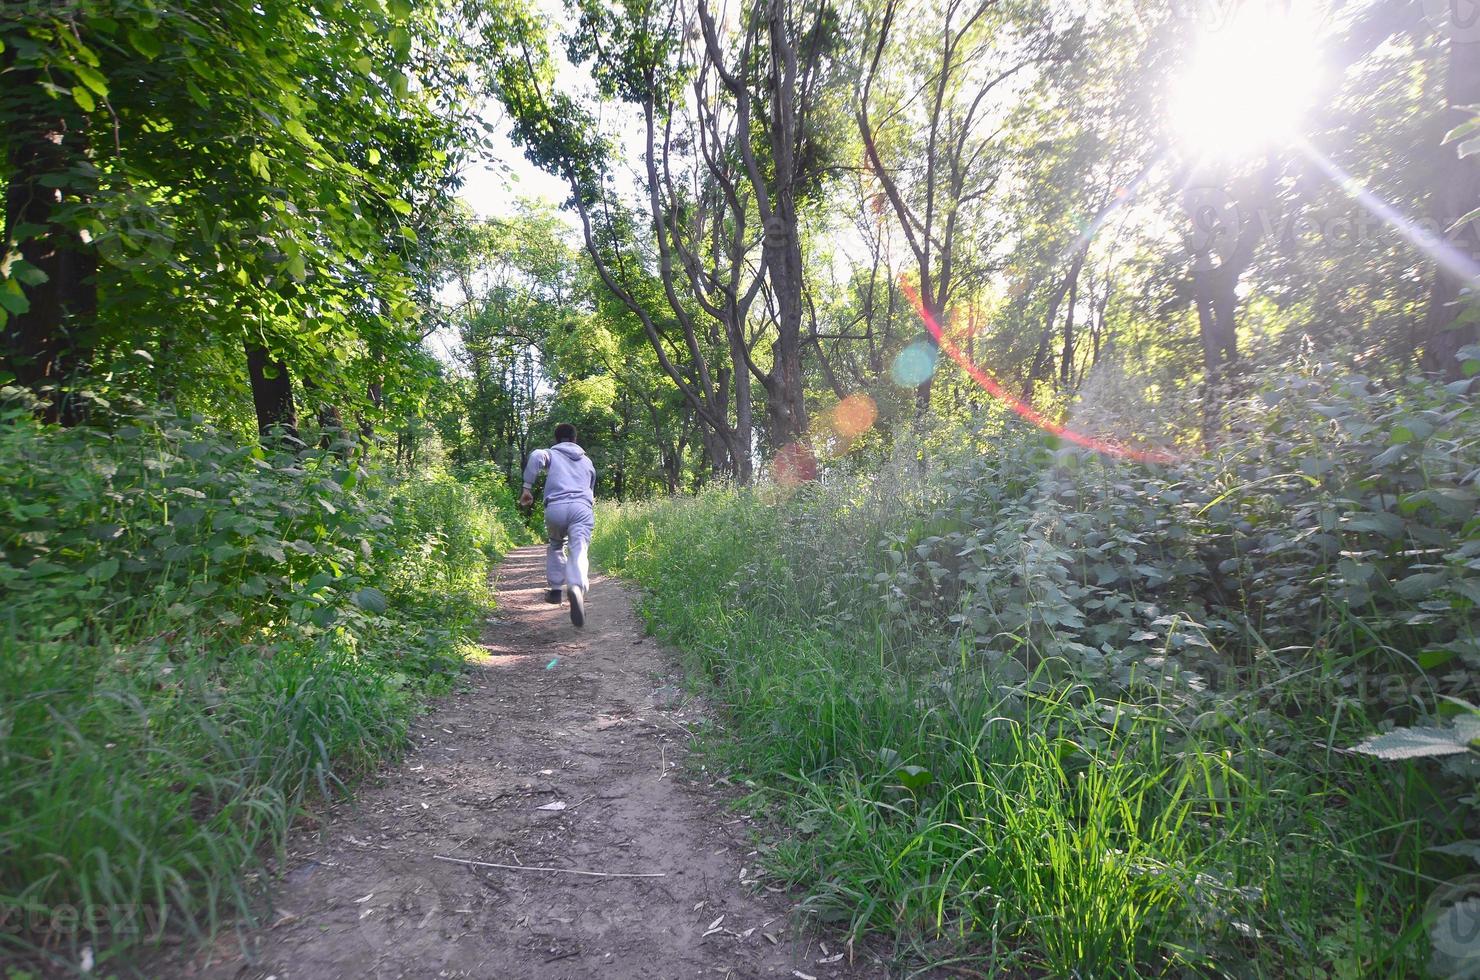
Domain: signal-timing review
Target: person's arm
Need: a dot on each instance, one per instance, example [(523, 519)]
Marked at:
[(537, 461)]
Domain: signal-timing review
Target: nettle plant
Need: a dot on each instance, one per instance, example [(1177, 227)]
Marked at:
[(1335, 533), (169, 526), (169, 508), (1326, 553)]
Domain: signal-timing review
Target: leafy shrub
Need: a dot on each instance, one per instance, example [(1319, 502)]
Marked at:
[(198, 638), (1340, 519), (1091, 714)]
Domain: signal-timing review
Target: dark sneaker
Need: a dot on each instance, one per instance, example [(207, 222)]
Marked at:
[(577, 605), (552, 596)]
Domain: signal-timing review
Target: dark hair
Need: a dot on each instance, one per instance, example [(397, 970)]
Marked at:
[(565, 432)]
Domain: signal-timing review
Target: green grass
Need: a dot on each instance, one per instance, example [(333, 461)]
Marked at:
[(925, 787), (200, 644)]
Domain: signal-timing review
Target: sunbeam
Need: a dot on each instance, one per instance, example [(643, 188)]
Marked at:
[(1430, 243)]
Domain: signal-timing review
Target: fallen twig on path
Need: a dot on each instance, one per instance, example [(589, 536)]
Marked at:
[(565, 871)]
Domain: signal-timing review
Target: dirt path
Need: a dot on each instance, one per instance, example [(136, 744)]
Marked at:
[(602, 732)]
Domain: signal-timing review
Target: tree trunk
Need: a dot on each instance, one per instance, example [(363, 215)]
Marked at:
[(367, 428), (1214, 292), (925, 389), (48, 345), (1456, 193), (272, 397), (1042, 363), (1240, 213), (744, 430), (783, 235), (1066, 361)]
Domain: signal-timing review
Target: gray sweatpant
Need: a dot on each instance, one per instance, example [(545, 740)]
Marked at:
[(568, 522)]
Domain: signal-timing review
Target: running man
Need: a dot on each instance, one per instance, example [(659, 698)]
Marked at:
[(570, 495)]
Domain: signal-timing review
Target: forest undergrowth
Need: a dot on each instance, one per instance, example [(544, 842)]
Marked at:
[(1013, 704), (201, 642)]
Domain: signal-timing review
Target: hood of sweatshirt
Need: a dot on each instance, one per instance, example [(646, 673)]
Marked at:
[(569, 450)]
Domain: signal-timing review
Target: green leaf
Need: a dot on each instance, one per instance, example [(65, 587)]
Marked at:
[(1430, 659), (1354, 571), (400, 41), (1460, 848), (1465, 219), (296, 267), (103, 570), (145, 43), (28, 273), (1469, 355), (370, 599), (12, 298), (1388, 525), (1462, 130), (1417, 743), (296, 129), (1420, 584), (83, 98), (64, 627), (271, 550), (915, 778), (92, 78)]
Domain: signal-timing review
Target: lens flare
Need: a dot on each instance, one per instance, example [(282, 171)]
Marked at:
[(914, 365), (1028, 413), (1249, 81), (1427, 240), (841, 426), (794, 464), (854, 415)]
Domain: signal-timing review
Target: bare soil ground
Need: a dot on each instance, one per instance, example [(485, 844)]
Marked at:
[(554, 715)]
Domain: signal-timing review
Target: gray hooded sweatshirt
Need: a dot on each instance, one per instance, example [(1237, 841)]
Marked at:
[(572, 477)]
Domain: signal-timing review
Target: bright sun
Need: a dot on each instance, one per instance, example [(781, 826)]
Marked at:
[(1248, 83)]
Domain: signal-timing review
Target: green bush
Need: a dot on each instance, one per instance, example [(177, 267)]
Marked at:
[(1076, 714), (198, 640)]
